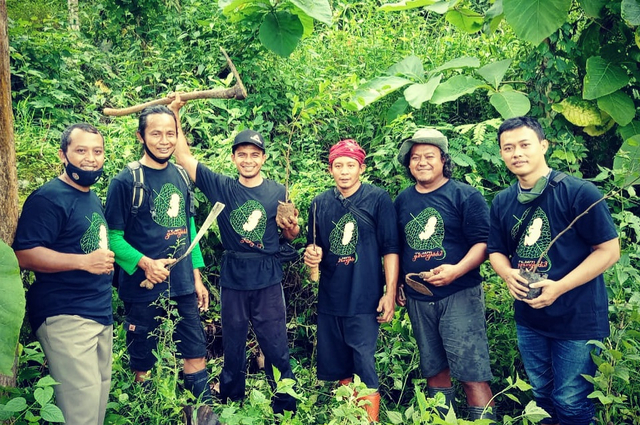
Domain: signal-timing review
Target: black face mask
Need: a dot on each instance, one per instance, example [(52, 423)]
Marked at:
[(152, 156), (82, 177)]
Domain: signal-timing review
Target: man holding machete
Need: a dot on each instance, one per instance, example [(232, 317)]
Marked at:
[(251, 274), (150, 227)]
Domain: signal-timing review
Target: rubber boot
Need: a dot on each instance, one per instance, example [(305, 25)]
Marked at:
[(373, 406), (475, 412), (449, 398), (198, 384), (345, 381)]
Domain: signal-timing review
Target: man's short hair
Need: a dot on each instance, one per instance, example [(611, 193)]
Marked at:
[(65, 139), (517, 122), (150, 110), (447, 168)]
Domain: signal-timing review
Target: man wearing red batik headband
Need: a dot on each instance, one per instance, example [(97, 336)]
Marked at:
[(354, 226)]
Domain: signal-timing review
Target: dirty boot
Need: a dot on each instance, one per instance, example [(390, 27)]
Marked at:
[(204, 416)]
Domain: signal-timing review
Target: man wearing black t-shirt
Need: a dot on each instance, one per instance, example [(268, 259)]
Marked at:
[(443, 226), (250, 275), (553, 328), (62, 237), (355, 227), (145, 240)]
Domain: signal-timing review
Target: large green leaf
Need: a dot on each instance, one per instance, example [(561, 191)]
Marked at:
[(465, 20), (629, 130), (495, 10), (619, 105), (306, 21), (457, 63), (455, 87), (398, 108), (592, 7), (510, 104), (12, 305), (410, 67), (417, 94), (232, 7), (602, 78), (535, 20), (319, 10), (375, 89), (280, 32), (630, 11), (494, 72), (628, 158)]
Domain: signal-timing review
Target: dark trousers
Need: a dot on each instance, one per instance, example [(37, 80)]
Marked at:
[(264, 308)]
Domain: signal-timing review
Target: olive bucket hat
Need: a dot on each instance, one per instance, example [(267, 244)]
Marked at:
[(426, 136)]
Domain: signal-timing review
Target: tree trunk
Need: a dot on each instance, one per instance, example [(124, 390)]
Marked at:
[(8, 171), (74, 21)]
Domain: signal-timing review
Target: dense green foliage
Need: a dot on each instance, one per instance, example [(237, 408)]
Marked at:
[(128, 52)]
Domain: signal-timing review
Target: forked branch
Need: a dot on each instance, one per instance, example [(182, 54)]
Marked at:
[(236, 92)]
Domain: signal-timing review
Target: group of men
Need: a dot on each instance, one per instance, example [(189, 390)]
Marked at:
[(422, 251)]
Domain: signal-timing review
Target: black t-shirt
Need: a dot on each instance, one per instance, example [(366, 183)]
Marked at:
[(351, 278), (582, 312), (248, 229), (64, 219), (160, 229), (439, 228)]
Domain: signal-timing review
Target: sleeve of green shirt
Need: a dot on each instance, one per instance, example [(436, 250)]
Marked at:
[(127, 256), (196, 254)]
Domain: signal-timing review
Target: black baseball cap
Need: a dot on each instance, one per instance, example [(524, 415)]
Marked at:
[(248, 136)]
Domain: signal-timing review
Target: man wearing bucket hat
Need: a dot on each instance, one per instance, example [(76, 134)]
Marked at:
[(443, 226), (354, 226)]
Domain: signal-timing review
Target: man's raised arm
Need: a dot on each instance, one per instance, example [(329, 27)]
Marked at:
[(182, 152)]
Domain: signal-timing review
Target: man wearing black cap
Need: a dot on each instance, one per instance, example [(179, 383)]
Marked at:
[(250, 275), (443, 226)]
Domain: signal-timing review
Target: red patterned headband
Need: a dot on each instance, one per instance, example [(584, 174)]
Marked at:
[(349, 148)]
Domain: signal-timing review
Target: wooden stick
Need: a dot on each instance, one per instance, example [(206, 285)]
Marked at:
[(314, 272), (238, 92)]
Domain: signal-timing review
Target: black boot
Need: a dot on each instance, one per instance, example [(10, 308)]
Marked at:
[(198, 384), (449, 397), (475, 412)]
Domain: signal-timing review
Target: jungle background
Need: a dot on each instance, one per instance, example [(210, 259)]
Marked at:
[(317, 72)]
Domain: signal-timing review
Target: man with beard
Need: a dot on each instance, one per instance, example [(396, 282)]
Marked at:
[(62, 237), (149, 228)]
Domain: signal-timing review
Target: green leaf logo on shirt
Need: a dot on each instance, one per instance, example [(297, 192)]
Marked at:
[(426, 231), (250, 220), (536, 237), (344, 236), (95, 236), (169, 206)]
